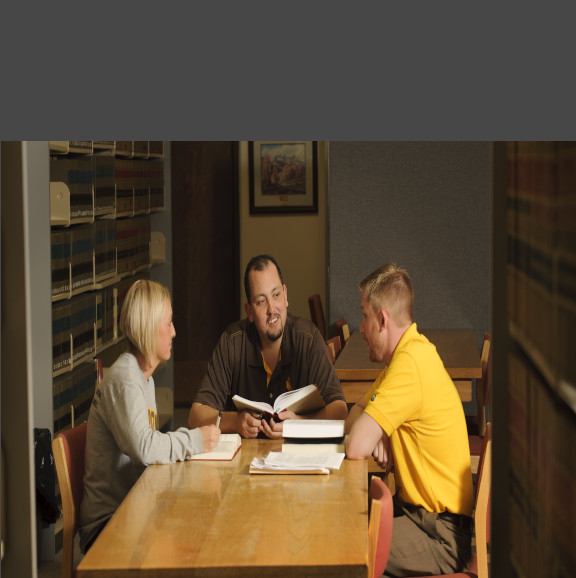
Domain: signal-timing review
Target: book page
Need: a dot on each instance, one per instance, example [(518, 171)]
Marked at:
[(243, 403), (301, 400), (225, 449)]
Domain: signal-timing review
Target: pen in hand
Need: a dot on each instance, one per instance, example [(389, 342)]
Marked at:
[(219, 418)]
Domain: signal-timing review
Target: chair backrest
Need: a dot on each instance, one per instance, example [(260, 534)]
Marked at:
[(478, 566), (483, 386), (334, 344), (331, 352), (69, 448), (342, 330), (380, 526), (482, 508), (317, 313)]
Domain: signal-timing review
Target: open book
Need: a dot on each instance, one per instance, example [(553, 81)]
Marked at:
[(303, 400), (288, 463), (225, 449)]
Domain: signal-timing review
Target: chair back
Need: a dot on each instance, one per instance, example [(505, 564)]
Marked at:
[(331, 352), (478, 566), (380, 526), (342, 330), (334, 345), (482, 508), (477, 424), (69, 448), (317, 313), (483, 386)]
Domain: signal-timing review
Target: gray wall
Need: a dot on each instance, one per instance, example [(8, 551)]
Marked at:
[(423, 205)]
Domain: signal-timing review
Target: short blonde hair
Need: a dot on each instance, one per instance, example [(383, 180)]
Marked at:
[(141, 315), (389, 287)]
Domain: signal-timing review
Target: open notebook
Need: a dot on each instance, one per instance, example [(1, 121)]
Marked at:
[(226, 448)]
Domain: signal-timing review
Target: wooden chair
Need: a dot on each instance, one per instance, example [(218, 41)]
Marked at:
[(478, 567), (342, 330), (477, 424), (334, 345), (69, 448), (317, 313), (331, 352), (379, 527)]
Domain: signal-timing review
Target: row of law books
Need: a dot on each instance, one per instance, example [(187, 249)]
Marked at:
[(139, 186), (133, 237), (106, 186), (85, 256), (542, 434), (541, 281), (72, 395), (129, 148), (87, 323), (81, 326)]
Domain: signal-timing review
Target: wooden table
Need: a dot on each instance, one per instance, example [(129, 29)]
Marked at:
[(457, 348), (215, 519)]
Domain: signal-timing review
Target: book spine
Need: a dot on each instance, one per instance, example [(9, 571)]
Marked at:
[(104, 171), (82, 256), (156, 173), (141, 241), (124, 186), (60, 261), (82, 319), (108, 316)]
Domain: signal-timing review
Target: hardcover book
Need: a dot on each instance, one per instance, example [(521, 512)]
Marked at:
[(314, 429), (303, 400)]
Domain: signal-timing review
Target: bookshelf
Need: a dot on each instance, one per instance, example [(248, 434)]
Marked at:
[(541, 374), (102, 197), (37, 214)]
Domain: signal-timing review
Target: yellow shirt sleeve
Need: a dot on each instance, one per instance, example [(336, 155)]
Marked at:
[(397, 393)]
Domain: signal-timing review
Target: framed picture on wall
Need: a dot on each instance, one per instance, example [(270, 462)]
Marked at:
[(283, 176)]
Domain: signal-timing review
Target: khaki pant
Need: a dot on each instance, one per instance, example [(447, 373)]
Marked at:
[(423, 543)]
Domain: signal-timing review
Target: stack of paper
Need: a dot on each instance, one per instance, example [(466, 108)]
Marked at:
[(288, 463)]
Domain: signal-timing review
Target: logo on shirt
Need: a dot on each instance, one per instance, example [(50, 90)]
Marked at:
[(152, 419)]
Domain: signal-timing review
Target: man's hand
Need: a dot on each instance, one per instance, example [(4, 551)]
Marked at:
[(383, 454), (210, 437), (273, 429), (248, 424)]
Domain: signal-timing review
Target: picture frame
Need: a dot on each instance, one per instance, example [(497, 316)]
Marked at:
[(283, 177)]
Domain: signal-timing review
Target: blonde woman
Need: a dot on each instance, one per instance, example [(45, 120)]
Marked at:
[(122, 436)]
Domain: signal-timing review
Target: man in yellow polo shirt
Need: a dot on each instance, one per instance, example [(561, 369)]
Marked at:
[(412, 418)]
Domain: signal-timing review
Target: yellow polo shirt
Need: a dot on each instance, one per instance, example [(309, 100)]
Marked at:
[(415, 402)]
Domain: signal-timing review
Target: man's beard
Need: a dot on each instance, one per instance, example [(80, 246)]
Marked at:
[(275, 336)]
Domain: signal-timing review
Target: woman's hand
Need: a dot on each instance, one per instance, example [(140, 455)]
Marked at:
[(210, 437)]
